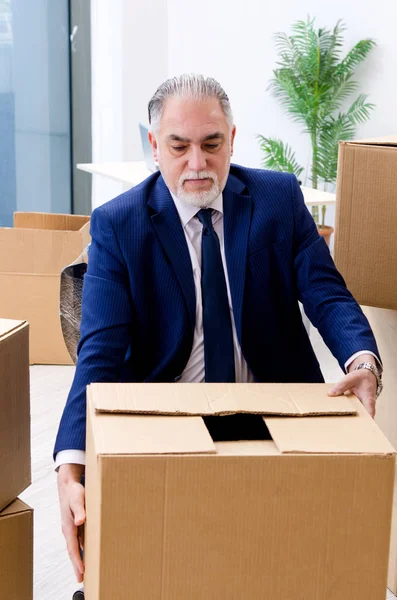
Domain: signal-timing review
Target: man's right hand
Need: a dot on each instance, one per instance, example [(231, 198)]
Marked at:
[(72, 503)]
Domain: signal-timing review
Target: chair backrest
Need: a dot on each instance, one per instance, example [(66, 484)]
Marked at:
[(71, 293)]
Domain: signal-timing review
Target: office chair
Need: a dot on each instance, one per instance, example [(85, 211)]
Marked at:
[(71, 292)]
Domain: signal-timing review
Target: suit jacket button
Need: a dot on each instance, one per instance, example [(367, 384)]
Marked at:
[(177, 378)]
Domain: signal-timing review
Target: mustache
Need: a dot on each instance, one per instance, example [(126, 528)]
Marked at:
[(200, 175)]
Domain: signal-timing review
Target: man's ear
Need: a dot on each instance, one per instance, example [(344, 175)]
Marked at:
[(153, 143), (233, 133)]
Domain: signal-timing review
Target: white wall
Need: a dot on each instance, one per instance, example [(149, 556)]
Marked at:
[(129, 60), (233, 42)]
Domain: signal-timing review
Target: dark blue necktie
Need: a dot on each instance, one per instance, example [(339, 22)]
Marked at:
[(217, 324)]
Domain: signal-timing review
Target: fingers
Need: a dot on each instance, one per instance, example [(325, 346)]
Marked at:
[(80, 536), (344, 385), (77, 499), (363, 384), (72, 502), (69, 530), (370, 404)]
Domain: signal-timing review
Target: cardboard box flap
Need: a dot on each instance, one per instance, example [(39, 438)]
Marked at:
[(387, 140), (295, 400), (40, 251), (50, 221), (147, 434), (9, 325), (14, 508), (336, 435)]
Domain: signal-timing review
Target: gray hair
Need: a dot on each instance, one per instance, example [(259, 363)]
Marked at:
[(187, 85)]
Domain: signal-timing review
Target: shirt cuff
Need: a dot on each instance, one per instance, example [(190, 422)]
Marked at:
[(69, 457), (357, 354)]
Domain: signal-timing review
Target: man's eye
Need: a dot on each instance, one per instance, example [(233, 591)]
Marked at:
[(179, 148), (212, 146)]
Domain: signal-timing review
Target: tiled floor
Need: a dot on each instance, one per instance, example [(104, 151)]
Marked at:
[(54, 579)]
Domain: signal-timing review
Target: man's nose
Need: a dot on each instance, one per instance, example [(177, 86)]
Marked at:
[(197, 160)]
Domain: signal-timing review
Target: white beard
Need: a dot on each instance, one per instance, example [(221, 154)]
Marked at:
[(199, 199)]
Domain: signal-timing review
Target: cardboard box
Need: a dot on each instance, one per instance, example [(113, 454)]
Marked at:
[(172, 514), (365, 247), (16, 552), (15, 470), (392, 577), (384, 326), (32, 256)]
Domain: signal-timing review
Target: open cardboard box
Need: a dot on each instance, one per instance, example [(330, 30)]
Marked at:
[(15, 471), (172, 514), (32, 256), (16, 552)]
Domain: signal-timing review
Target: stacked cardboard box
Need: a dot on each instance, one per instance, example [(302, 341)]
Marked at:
[(365, 253), (32, 256), (304, 512), (366, 219), (16, 551), (16, 518)]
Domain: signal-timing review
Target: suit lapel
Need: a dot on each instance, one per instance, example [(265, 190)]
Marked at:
[(168, 227), (237, 209)]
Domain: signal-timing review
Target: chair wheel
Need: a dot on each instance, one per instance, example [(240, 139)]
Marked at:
[(79, 595)]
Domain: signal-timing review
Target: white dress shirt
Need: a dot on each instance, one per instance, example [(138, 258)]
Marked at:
[(195, 369)]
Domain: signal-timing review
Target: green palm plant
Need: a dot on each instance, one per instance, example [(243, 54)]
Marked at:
[(313, 80)]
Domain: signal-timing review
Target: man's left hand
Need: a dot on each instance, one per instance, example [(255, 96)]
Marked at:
[(362, 383)]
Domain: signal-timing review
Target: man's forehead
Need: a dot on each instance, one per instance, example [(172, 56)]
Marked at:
[(182, 113)]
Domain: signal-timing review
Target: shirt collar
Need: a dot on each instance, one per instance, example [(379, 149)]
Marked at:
[(187, 211)]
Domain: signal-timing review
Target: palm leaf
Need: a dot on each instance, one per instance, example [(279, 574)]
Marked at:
[(278, 156), (339, 91), (333, 130), (356, 55), (359, 111), (312, 82)]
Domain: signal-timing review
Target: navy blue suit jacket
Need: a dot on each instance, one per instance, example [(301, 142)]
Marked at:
[(139, 298)]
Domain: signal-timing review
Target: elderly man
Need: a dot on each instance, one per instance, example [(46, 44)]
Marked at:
[(195, 275)]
